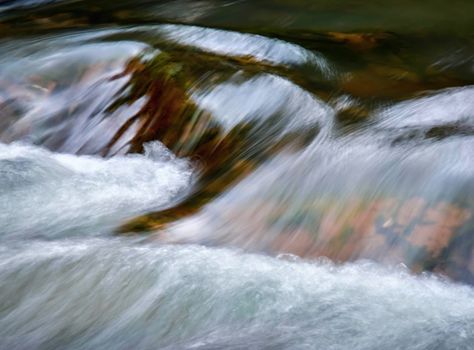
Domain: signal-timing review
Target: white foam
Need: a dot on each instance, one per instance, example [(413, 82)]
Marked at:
[(111, 294), (43, 192)]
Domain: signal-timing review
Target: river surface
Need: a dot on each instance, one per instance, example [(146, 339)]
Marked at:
[(217, 174)]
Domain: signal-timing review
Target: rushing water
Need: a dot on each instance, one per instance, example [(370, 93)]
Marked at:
[(102, 294), (236, 174), (46, 194)]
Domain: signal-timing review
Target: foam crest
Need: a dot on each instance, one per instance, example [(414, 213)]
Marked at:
[(88, 192)]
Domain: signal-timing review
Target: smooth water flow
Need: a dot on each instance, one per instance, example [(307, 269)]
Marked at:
[(236, 175)]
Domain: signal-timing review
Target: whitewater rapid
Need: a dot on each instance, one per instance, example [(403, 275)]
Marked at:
[(69, 281), (103, 294), (66, 290), (47, 194)]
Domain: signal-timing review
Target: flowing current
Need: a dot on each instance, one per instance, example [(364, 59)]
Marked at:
[(236, 175)]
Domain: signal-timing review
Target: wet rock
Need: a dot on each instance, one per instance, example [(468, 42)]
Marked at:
[(359, 41), (228, 128)]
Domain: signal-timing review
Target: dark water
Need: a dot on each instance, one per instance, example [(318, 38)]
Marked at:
[(236, 174)]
